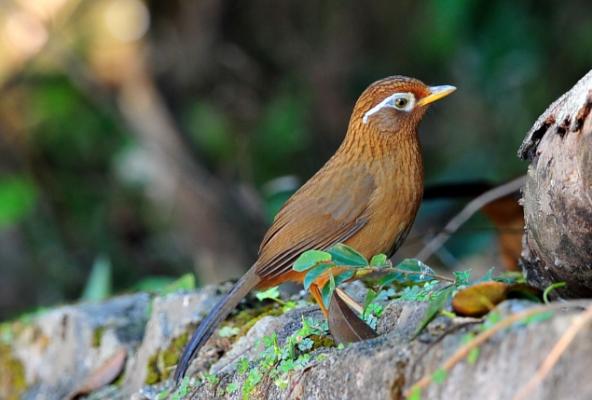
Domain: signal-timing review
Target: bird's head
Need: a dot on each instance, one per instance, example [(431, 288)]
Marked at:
[(396, 104)]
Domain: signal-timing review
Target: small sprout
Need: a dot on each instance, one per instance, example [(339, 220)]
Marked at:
[(231, 388), (439, 376), (183, 389), (228, 331), (492, 318), (242, 365), (321, 357), (212, 379), (473, 355), (550, 289), (415, 393), (287, 366), (251, 382)]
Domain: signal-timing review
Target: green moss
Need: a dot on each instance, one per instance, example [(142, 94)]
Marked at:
[(98, 336), (12, 379), (245, 319), (152, 374), (160, 365), (322, 341)]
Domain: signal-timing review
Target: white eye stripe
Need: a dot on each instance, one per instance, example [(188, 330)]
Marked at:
[(399, 101)]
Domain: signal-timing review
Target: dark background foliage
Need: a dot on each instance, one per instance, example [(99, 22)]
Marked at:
[(151, 139)]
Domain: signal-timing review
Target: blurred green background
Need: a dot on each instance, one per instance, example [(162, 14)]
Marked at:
[(150, 139)]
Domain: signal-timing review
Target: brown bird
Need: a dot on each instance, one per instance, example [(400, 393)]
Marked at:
[(365, 196)]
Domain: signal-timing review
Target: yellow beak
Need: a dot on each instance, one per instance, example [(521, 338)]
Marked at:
[(436, 93)]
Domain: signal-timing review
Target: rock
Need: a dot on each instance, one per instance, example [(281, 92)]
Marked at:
[(55, 356), (558, 194), (64, 345)]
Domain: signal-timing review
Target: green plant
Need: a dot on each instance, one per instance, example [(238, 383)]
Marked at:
[(277, 361)]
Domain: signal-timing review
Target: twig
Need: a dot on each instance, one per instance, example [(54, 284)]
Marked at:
[(459, 219), (462, 352), (556, 352)]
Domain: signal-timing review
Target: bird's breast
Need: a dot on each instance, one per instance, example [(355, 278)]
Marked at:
[(393, 204)]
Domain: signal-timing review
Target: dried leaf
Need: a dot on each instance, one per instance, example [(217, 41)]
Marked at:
[(479, 299), (102, 376), (345, 325)]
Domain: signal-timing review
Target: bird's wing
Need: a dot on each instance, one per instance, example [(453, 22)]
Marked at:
[(319, 215)]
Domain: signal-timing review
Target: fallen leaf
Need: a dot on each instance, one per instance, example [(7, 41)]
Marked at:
[(479, 299), (102, 376), (344, 324)]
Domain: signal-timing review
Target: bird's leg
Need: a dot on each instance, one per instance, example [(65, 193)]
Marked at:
[(316, 293)]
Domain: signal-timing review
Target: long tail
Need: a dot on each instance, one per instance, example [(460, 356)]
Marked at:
[(215, 317)]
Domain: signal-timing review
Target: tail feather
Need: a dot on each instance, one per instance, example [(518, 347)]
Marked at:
[(209, 324)]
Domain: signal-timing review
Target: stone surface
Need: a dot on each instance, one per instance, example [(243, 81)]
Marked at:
[(57, 356)]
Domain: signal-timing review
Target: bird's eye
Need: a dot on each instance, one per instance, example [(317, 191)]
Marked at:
[(401, 103)]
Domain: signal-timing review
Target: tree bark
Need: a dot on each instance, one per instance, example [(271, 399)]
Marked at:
[(557, 196)]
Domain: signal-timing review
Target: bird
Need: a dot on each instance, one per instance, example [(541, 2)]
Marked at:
[(365, 196)]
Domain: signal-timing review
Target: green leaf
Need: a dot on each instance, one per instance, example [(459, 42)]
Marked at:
[(437, 302), (309, 259), (343, 255), (370, 296), (272, 293), (17, 199), (462, 278), (152, 284), (379, 260), (98, 285), (439, 376), (314, 274), (510, 277), (327, 291), (185, 283), (342, 277)]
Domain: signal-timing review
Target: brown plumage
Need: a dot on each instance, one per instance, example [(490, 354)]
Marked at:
[(365, 196)]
